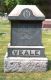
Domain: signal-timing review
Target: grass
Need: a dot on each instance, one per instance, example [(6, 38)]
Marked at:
[(4, 40)]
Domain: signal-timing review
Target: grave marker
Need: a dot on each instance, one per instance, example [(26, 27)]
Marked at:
[(26, 47)]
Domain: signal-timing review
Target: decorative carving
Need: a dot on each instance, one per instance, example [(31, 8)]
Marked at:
[(26, 53), (26, 13)]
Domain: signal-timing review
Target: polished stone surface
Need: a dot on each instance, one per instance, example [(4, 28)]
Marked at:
[(25, 33)]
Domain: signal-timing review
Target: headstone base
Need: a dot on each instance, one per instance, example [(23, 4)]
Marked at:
[(22, 64)]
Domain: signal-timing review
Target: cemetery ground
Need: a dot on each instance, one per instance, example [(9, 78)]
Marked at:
[(5, 39)]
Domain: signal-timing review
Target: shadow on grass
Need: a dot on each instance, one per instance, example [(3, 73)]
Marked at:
[(2, 34), (49, 64)]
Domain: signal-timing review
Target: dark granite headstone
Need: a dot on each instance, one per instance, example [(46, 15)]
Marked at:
[(26, 38), (26, 33)]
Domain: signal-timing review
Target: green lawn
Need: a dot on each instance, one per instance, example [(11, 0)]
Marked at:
[(4, 40)]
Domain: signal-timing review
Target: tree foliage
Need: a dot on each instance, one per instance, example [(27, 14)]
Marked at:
[(9, 5), (1, 5), (32, 2)]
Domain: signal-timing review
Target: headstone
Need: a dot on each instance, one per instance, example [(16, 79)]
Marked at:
[(25, 52), (5, 15), (47, 23)]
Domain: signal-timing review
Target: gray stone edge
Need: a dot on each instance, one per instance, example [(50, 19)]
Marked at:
[(9, 46), (18, 18)]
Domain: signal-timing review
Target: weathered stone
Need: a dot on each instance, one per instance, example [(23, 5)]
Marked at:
[(21, 64)]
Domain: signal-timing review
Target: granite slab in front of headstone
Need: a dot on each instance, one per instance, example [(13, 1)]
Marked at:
[(25, 51)]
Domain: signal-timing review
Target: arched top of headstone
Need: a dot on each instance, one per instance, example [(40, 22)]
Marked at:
[(26, 12)]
